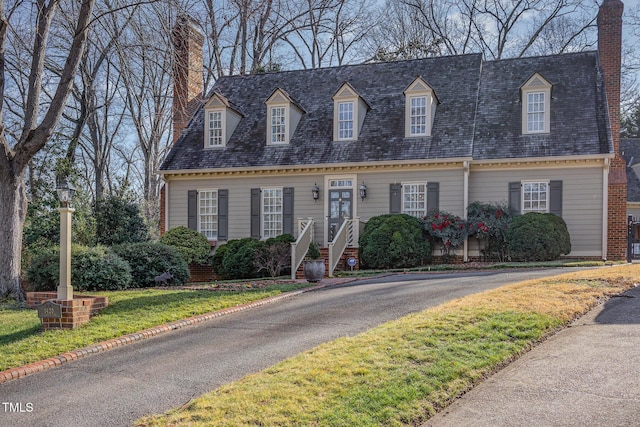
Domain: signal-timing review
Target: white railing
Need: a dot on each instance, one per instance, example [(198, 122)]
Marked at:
[(347, 236), (300, 247)]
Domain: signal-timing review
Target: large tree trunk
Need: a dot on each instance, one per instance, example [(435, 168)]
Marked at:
[(13, 209)]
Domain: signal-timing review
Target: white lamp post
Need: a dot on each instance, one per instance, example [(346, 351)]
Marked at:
[(65, 195)]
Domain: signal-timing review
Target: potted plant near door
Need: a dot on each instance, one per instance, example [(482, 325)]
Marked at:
[(313, 264)]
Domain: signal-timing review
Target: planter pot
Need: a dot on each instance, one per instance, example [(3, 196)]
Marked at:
[(314, 270)]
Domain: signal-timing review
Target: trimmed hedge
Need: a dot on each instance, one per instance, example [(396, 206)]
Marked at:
[(92, 269), (150, 259), (193, 246), (537, 237), (238, 259), (394, 241)]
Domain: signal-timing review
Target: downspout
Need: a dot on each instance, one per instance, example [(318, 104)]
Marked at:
[(166, 205), (605, 206), (465, 197)]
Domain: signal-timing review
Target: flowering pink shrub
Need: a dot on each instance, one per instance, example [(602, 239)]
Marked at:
[(488, 223), (445, 228)]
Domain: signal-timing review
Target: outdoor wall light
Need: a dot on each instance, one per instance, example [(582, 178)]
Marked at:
[(65, 191), (315, 192), (363, 191)]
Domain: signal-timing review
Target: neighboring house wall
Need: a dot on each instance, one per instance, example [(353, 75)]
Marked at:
[(582, 204)]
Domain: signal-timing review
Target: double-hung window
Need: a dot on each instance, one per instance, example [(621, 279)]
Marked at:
[(418, 115), (278, 125), (535, 197), (535, 112), (272, 211), (414, 199), (215, 129), (345, 120), (208, 213)]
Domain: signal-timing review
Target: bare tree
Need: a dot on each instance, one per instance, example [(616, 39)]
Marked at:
[(496, 28), (144, 60), (37, 125)]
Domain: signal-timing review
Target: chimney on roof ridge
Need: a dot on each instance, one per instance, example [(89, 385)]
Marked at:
[(610, 55), (187, 71)]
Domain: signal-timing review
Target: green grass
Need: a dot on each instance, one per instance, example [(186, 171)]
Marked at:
[(404, 371), (21, 341)]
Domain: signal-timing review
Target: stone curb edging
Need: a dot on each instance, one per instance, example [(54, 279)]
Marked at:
[(55, 361)]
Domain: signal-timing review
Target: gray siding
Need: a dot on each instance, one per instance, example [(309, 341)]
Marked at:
[(582, 199)]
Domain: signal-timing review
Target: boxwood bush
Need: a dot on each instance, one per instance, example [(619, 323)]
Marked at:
[(193, 246), (150, 259), (238, 259), (537, 237), (394, 241), (92, 269)]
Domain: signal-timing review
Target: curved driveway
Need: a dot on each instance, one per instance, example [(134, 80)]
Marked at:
[(117, 387)]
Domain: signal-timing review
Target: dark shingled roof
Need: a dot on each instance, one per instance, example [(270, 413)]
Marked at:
[(478, 113), (630, 150)]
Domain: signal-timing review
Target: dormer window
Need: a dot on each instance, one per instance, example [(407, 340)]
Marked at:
[(221, 119), (536, 97), (349, 110), (283, 116), (420, 108)]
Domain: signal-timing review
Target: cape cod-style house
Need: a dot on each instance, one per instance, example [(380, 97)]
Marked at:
[(316, 153)]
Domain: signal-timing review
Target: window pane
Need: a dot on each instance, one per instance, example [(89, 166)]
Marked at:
[(345, 120), (418, 118), (535, 112), (534, 196), (208, 213), (215, 129), (414, 197), (271, 212), (278, 125)]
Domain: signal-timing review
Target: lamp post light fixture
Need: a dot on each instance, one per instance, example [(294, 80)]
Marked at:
[(65, 192), (363, 191), (315, 192)]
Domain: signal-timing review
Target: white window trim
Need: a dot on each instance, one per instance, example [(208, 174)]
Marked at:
[(353, 120), (522, 192), (223, 138), (419, 89), (426, 115), (262, 211), (216, 215), (411, 183), (287, 112), (353, 187)]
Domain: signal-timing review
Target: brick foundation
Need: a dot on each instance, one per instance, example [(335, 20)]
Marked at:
[(202, 273), (75, 312), (342, 264)]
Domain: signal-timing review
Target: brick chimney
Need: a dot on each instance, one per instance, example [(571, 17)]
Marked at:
[(609, 51), (187, 72)]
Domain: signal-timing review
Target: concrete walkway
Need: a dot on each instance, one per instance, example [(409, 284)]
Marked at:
[(586, 375)]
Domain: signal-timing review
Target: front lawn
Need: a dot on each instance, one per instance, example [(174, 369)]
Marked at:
[(21, 341), (404, 371)]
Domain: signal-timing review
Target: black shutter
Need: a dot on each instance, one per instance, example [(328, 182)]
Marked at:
[(223, 215), (395, 198), (255, 213), (555, 197), (433, 196), (192, 209), (287, 210), (514, 197)]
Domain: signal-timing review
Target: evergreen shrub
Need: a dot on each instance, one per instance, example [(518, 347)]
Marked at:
[(150, 259), (537, 237), (394, 241)]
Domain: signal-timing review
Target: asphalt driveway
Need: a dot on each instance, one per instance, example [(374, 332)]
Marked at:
[(117, 387)]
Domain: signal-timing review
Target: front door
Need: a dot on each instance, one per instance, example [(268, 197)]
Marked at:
[(340, 207)]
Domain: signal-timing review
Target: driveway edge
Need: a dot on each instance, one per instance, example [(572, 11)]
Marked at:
[(55, 361)]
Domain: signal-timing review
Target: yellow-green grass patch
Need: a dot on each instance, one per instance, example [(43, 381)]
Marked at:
[(403, 371), (21, 341)]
